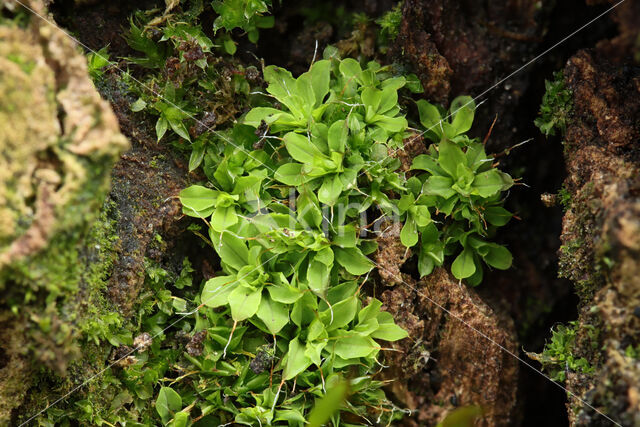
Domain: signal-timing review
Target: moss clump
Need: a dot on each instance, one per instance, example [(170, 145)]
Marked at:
[(557, 104), (565, 198)]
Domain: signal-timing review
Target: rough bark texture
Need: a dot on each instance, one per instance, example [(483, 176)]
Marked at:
[(458, 352), (465, 47), (455, 357), (601, 230)]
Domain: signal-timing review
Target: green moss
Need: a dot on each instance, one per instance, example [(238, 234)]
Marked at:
[(556, 108), (565, 198), (390, 24), (559, 357), (54, 254), (633, 352), (578, 259)]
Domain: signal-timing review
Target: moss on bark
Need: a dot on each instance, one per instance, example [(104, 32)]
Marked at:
[(58, 145)]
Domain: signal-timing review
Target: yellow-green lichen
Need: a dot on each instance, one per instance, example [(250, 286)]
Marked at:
[(57, 133)]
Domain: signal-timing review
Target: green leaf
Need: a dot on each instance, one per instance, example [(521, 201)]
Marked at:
[(304, 310), (498, 257), (497, 215), (391, 124), (291, 415), (198, 201), (316, 330), (462, 110), (255, 116), (168, 402), (371, 99), (370, 311), (325, 256), (350, 68), (427, 163), (476, 278), (223, 218), (465, 416), (180, 419), (313, 351), (387, 329), (476, 156), (320, 74), (326, 407), (304, 90), (161, 127), (197, 154), (318, 276), (341, 314), (341, 292), (179, 128), (488, 183), (413, 84), (426, 264), (450, 156), (284, 294), (281, 85), (337, 136), (244, 302), (463, 266), (388, 100), (429, 116), (439, 186), (229, 46), (307, 209), (421, 215), (300, 148), (354, 346), (290, 174), (330, 190), (297, 360), (139, 105), (275, 315), (353, 260), (394, 83), (232, 250), (345, 236), (409, 233)]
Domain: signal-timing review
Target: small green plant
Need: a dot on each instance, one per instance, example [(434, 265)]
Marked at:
[(247, 15), (390, 24), (557, 104), (97, 61), (186, 86), (557, 358), (463, 184), (284, 205), (565, 198), (632, 352)]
